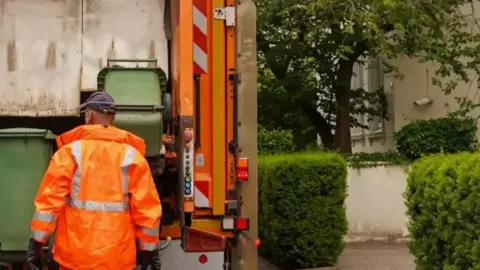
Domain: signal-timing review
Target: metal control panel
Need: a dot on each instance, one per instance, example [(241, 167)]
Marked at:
[(188, 164)]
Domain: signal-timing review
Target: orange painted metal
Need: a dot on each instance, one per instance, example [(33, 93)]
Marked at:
[(184, 37), (175, 232), (204, 241), (219, 113)]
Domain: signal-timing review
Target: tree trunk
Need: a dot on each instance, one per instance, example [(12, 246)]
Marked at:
[(342, 89), (322, 127), (343, 140)]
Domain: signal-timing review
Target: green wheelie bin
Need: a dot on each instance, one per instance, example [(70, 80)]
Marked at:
[(24, 157)]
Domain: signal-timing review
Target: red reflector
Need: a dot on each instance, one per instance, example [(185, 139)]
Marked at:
[(242, 224), (242, 175), (257, 242), (188, 136), (203, 259)]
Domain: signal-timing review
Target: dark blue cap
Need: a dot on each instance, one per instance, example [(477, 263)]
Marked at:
[(101, 102)]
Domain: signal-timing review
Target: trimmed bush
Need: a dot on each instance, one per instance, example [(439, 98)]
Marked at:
[(443, 202), (434, 136), (275, 141), (302, 213)]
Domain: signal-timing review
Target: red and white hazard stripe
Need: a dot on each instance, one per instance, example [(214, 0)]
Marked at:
[(200, 32), (200, 66), (202, 194)]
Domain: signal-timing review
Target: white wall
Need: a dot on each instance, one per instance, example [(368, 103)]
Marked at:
[(375, 205)]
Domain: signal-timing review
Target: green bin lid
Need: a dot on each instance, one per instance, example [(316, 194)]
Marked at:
[(26, 132)]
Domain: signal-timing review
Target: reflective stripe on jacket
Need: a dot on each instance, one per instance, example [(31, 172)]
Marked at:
[(99, 195)]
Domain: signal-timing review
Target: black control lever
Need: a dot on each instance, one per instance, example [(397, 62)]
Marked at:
[(198, 118)]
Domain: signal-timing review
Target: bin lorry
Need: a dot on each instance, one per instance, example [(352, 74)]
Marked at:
[(183, 76)]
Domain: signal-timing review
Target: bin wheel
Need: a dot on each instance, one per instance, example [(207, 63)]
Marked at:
[(17, 266), (52, 266)]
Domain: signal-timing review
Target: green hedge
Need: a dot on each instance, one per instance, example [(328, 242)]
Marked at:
[(302, 214), (443, 202), (434, 136)]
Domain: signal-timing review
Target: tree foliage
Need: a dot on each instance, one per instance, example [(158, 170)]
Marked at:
[(274, 141), (307, 50), (276, 111)]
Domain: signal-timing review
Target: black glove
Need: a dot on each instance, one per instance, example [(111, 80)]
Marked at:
[(35, 258), (151, 258)]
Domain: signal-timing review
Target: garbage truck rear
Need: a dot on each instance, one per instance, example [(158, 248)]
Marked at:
[(183, 75)]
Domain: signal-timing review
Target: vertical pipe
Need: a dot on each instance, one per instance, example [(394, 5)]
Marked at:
[(198, 110)]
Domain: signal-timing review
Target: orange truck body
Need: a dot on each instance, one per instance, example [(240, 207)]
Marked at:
[(223, 36)]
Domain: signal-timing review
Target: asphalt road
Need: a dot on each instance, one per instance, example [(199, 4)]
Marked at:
[(368, 256)]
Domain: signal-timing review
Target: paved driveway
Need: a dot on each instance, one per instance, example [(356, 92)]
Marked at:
[(368, 256)]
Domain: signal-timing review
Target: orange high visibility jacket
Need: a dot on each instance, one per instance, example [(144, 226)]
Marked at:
[(99, 195)]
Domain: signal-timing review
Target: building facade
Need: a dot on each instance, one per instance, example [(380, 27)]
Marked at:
[(412, 97)]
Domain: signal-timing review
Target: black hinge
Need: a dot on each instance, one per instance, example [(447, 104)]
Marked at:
[(233, 145)]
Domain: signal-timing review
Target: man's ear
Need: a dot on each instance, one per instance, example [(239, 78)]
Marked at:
[(88, 116)]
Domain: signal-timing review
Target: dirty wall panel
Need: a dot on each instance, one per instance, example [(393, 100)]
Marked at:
[(50, 50), (122, 29), (40, 57)]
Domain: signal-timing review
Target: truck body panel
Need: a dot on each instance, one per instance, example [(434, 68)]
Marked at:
[(175, 258), (40, 59), (126, 29), (52, 50)]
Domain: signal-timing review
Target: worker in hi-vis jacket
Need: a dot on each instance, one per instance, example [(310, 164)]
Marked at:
[(99, 197)]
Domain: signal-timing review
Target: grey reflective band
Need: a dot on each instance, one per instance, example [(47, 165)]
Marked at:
[(126, 163), (147, 246), (40, 236), (97, 206), (74, 200), (44, 217), (150, 231)]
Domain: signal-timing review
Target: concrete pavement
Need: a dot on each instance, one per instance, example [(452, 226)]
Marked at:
[(368, 256)]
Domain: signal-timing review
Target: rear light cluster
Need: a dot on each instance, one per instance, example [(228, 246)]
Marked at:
[(242, 169), (235, 224)]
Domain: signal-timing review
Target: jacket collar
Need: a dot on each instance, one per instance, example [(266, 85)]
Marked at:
[(101, 133)]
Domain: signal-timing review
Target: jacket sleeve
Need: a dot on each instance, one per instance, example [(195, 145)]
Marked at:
[(145, 206), (51, 195)]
